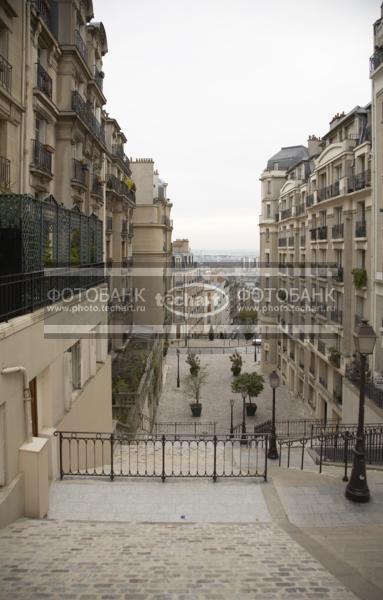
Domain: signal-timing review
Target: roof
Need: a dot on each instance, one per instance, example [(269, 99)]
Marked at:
[(286, 157), (356, 110)]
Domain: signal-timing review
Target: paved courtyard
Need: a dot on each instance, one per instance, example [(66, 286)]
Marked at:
[(216, 394)]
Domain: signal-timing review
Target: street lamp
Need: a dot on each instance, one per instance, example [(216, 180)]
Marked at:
[(273, 451), (244, 438), (357, 488), (232, 401), (178, 367)]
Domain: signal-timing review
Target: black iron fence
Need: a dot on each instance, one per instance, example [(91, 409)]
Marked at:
[(162, 456), (296, 427), (23, 293)]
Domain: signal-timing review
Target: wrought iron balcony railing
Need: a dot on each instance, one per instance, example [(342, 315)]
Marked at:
[(300, 209), (313, 234), (337, 231), (282, 242), (328, 192), (359, 181), (97, 186), (360, 229), (79, 172), (322, 233), (286, 213), (309, 200), (44, 10), (5, 173), (109, 224), (5, 74), (338, 274), (290, 241), (44, 81), (98, 76), (41, 157), (81, 108), (376, 60), (336, 316), (80, 45), (321, 347), (302, 240)]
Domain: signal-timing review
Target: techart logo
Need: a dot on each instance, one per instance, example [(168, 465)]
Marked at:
[(194, 300)]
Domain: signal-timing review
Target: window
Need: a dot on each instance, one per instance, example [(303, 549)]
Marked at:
[(269, 186), (76, 366), (268, 210), (4, 41), (2, 444), (267, 235)]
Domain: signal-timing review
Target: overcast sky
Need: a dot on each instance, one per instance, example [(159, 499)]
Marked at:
[(210, 89)]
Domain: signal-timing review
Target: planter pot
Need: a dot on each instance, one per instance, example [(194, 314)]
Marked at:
[(236, 371), (196, 409), (194, 372), (251, 409)]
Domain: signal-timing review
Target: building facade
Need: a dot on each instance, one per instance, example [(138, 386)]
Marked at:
[(317, 273)]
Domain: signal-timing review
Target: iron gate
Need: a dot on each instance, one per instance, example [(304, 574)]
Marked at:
[(162, 456)]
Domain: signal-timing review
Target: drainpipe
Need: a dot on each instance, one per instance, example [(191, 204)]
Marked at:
[(27, 397)]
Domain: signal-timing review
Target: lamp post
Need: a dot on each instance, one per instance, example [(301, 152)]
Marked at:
[(255, 350), (273, 451), (244, 439), (232, 401), (357, 488), (178, 367)]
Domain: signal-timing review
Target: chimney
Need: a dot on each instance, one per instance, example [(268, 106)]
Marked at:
[(314, 146)]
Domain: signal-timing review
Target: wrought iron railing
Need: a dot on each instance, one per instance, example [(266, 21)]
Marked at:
[(81, 108), (359, 181), (23, 293), (109, 224), (80, 45), (322, 233), (44, 10), (282, 242), (41, 157), (5, 173), (97, 185), (286, 213), (290, 241), (163, 456), (5, 74), (195, 428), (44, 81), (296, 427), (360, 229), (309, 200), (372, 391), (300, 209), (79, 172), (118, 151), (321, 347), (313, 234), (376, 60), (336, 316), (337, 231), (98, 76)]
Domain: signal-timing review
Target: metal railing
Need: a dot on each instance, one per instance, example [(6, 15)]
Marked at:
[(98, 76), (109, 224), (44, 10), (359, 181), (290, 241), (163, 456), (376, 60), (296, 427), (196, 428), (360, 229), (81, 108), (80, 45), (5, 74), (44, 81), (282, 242), (24, 293), (286, 213), (96, 185), (79, 172), (372, 391), (321, 347), (300, 209), (309, 200), (337, 231), (328, 191), (5, 173), (322, 233), (41, 157)]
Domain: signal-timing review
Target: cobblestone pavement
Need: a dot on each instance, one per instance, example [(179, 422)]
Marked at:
[(51, 559), (174, 405)]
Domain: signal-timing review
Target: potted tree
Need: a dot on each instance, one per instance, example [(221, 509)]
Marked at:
[(254, 388), (193, 361), (236, 363), (193, 386)]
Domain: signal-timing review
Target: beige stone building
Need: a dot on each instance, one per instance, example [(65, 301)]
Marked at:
[(60, 159), (188, 314), (316, 253)]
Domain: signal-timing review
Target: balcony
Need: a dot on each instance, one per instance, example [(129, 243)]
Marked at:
[(83, 110), (79, 172), (322, 347), (97, 188), (360, 229), (41, 157), (282, 242), (98, 76), (309, 200), (118, 152), (322, 233), (337, 231), (80, 45), (44, 81), (336, 316), (290, 241), (302, 241), (43, 8), (338, 274), (329, 191), (5, 74), (376, 60), (300, 209), (5, 173), (286, 213), (359, 182), (313, 234)]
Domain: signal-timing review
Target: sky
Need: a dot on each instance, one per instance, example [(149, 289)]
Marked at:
[(210, 89)]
